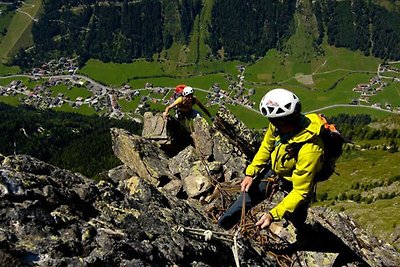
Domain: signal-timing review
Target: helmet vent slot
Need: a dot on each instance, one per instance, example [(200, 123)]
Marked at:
[(264, 111), (279, 111), (270, 109)]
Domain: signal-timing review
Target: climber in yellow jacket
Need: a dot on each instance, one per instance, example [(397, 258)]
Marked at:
[(288, 127)]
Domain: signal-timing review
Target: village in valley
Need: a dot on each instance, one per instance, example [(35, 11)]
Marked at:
[(105, 100), (376, 85)]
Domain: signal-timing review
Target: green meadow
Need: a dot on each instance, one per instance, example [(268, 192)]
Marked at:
[(365, 167), (5, 20), (19, 29), (83, 109), (72, 93), (6, 70)]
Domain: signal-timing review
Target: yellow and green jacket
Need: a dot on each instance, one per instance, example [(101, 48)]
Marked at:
[(299, 170)]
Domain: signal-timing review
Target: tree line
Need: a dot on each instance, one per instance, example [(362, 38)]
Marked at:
[(358, 188), (355, 127), (68, 140)]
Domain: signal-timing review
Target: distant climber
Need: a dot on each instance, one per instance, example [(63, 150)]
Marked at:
[(184, 105), (293, 174)]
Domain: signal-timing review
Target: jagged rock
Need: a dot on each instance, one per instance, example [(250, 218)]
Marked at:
[(181, 164), (47, 221), (395, 238), (196, 183), (200, 177), (371, 250), (237, 133), (119, 173), (234, 168), (142, 156), (173, 188), (202, 137), (155, 128), (171, 135), (53, 217), (223, 150), (232, 159), (212, 176)]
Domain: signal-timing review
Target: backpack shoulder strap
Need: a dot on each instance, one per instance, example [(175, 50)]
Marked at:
[(329, 126)]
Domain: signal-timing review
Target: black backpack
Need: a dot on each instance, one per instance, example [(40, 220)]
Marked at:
[(333, 142)]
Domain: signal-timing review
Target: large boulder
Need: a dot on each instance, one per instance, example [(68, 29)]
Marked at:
[(202, 138), (142, 156), (168, 133)]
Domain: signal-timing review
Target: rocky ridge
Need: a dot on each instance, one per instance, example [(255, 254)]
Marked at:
[(159, 209)]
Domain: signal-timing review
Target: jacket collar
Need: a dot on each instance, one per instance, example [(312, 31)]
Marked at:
[(310, 127)]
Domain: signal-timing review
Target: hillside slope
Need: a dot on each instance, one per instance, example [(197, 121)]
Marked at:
[(185, 31)]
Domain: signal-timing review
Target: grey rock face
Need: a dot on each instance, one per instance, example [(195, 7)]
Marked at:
[(142, 156), (238, 134), (52, 217), (160, 209), (154, 128)]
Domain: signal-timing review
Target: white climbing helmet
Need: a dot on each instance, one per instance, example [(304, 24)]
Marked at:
[(187, 91), (279, 103)]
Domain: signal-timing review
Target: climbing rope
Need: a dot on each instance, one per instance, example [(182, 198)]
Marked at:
[(207, 234), (235, 248)]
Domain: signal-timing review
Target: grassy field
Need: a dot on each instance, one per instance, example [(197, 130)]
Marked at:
[(333, 79), (19, 34), (390, 94), (84, 109), (354, 110), (5, 20), (5, 70), (365, 167), (72, 93), (10, 100)]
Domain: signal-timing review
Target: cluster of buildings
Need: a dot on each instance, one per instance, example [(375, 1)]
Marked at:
[(239, 95), (63, 66), (367, 90), (375, 85)]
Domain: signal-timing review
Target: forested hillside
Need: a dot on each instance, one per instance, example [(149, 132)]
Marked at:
[(360, 25), (247, 29), (117, 31), (120, 31), (68, 140)]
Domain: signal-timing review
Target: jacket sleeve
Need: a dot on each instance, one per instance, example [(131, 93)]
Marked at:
[(263, 154), (308, 164)]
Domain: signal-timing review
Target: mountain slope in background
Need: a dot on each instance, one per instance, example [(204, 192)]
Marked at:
[(192, 30)]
